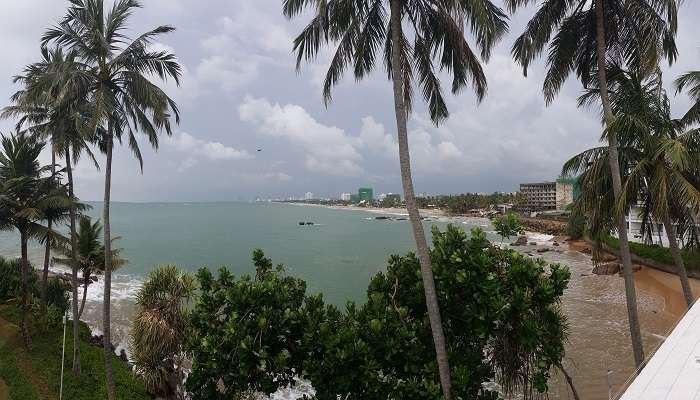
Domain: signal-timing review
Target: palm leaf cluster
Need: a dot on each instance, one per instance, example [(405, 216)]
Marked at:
[(434, 43), (659, 155), (28, 195), (159, 329), (89, 255), (122, 97), (638, 33)]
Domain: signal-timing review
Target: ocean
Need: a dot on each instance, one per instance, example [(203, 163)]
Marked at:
[(339, 254)]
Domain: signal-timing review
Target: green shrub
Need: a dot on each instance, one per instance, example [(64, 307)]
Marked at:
[(657, 253), (500, 310), (576, 225), (508, 225), (10, 279), (57, 295)]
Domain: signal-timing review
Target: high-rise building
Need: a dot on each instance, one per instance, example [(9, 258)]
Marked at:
[(345, 196), (308, 196), (546, 195), (365, 194)]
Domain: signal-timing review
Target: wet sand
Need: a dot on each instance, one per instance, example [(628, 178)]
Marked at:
[(599, 334)]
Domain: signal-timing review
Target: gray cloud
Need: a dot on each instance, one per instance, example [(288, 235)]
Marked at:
[(240, 92)]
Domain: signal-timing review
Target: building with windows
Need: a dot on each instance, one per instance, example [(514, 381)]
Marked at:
[(365, 194), (656, 231), (543, 196), (308, 196), (345, 196)]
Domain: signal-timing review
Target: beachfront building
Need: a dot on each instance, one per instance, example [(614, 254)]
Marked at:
[(635, 218), (308, 196), (345, 196), (544, 196), (365, 194)]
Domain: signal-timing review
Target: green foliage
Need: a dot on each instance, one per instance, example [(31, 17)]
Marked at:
[(246, 332), (501, 313), (576, 225), (19, 386), (160, 328), (45, 359), (10, 279), (507, 226), (57, 295), (691, 258), (463, 203)]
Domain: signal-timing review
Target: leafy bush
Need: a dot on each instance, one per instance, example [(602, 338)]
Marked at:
[(576, 225), (10, 279), (246, 333), (508, 225), (658, 253), (500, 312)]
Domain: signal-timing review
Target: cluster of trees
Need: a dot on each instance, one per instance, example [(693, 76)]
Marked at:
[(463, 203), (251, 334), (415, 39), (658, 155), (93, 87)]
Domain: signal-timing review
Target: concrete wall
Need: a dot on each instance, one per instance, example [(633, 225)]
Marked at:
[(565, 195)]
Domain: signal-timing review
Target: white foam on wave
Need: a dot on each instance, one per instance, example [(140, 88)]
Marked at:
[(539, 238)]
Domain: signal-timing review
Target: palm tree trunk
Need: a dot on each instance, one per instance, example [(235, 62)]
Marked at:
[(613, 158), (570, 382), (413, 213), (47, 251), (74, 262), (45, 272), (24, 288), (107, 338), (678, 260), (85, 288)]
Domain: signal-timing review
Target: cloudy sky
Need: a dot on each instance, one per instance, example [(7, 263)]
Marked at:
[(240, 92)]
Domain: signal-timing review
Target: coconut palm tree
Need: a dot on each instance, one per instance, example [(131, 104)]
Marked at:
[(588, 34), (121, 95), (25, 197), (690, 82), (160, 328), (90, 255), (53, 105), (659, 155), (414, 40)]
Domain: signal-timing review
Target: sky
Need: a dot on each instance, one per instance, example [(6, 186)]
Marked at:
[(241, 92)]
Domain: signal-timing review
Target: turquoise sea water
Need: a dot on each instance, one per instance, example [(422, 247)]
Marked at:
[(337, 256)]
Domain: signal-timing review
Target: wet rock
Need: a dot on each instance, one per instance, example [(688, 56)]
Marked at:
[(123, 357), (533, 243), (606, 258), (635, 268), (522, 241), (543, 250), (606, 269), (586, 250), (555, 244)]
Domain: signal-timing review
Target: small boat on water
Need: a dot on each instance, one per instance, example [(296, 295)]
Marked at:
[(307, 223)]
